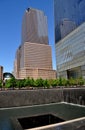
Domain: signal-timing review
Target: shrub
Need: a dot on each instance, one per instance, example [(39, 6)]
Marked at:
[(39, 82), (20, 83), (10, 83), (27, 82), (64, 82), (72, 82), (54, 82), (46, 84), (60, 82), (80, 81), (0, 83)]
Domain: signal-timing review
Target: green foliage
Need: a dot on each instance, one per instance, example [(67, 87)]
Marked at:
[(80, 81), (46, 83), (20, 83), (64, 82), (7, 83), (32, 83), (27, 82), (39, 82), (60, 82), (0, 83), (72, 82), (53, 82), (11, 83)]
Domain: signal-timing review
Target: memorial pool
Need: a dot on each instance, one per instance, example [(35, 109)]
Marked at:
[(65, 111)]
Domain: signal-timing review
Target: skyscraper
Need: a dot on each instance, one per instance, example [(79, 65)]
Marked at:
[(68, 14), (69, 37), (33, 57), (34, 27)]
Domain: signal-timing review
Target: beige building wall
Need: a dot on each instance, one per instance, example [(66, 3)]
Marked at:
[(35, 55), (1, 72), (37, 73), (35, 61), (46, 74), (17, 62)]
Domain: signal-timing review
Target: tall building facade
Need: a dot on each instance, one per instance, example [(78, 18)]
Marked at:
[(69, 37), (33, 57), (68, 14), (34, 27), (1, 72), (70, 53)]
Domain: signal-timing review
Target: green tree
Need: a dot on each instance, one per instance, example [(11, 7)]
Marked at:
[(60, 82), (32, 82), (54, 83), (27, 82), (7, 83), (0, 83), (39, 82), (46, 83), (10, 83), (64, 82), (72, 82), (80, 81), (19, 83)]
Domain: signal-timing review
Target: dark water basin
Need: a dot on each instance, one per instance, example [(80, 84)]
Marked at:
[(63, 111)]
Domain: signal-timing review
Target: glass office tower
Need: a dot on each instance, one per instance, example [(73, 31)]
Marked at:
[(70, 53), (68, 15), (70, 37)]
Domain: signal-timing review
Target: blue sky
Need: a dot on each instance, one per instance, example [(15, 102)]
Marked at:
[(11, 13)]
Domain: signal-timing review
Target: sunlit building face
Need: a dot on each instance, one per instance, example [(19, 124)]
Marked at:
[(70, 37), (34, 57), (34, 27)]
